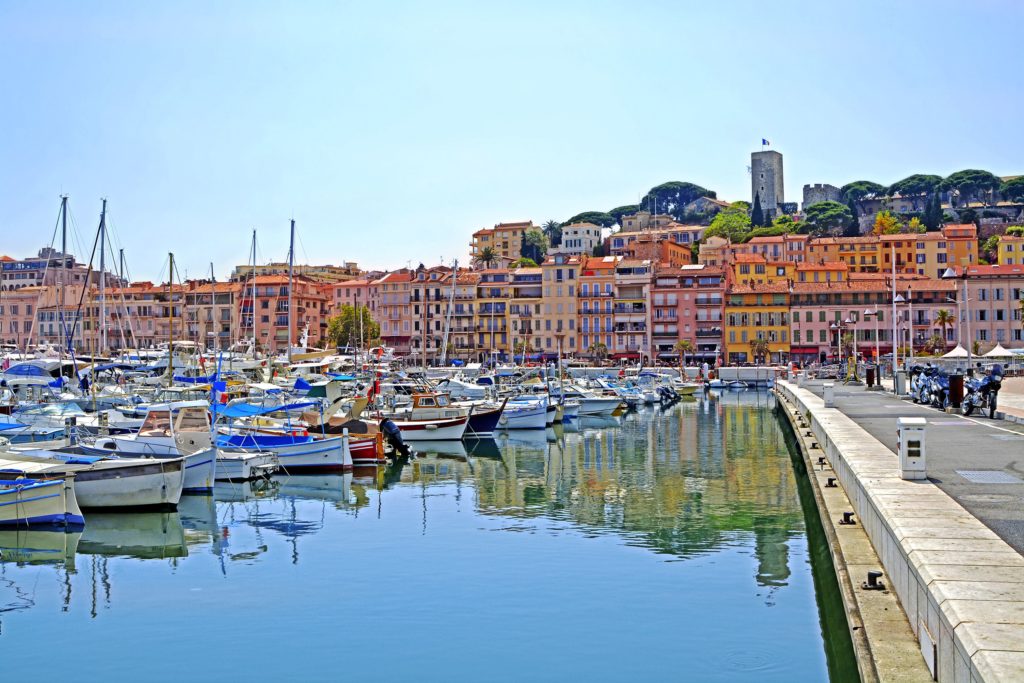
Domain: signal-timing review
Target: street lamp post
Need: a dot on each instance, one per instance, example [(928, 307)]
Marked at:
[(950, 274), (874, 313)]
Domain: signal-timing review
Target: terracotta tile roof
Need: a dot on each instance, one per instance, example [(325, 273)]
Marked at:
[(765, 288), (1017, 270), (749, 258), (822, 265), (879, 285)]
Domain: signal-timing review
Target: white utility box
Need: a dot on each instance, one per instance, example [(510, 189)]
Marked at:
[(911, 447), (830, 394)]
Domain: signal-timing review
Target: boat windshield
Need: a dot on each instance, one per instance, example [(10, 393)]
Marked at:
[(193, 420), (157, 423)]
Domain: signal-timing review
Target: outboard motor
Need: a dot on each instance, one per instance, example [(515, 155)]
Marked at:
[(394, 437)]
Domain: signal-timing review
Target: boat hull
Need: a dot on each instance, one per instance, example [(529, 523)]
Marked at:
[(447, 429), (40, 503), (296, 454), (483, 423), (520, 417), (156, 484), (244, 465)]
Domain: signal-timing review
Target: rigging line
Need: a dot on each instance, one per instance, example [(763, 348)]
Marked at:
[(46, 268)]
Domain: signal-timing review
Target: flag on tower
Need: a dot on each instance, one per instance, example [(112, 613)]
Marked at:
[(764, 142)]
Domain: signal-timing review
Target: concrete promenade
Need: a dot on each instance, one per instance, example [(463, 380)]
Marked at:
[(950, 546)]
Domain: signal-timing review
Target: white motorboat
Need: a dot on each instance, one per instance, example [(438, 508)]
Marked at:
[(39, 502), (170, 430), (102, 482), (523, 415), (239, 465), (432, 417)]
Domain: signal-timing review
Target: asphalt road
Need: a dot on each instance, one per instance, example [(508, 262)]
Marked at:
[(957, 449)]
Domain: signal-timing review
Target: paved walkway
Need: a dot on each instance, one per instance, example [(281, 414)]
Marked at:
[(958, 448)]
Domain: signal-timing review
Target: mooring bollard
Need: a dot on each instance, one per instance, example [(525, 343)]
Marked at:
[(830, 394)]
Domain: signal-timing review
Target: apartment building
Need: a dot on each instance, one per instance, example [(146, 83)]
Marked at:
[(596, 304), (994, 298), (561, 296), (687, 302), (506, 239), (757, 312), (392, 294), (631, 317)]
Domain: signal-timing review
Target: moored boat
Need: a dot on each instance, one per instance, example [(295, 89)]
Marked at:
[(39, 502)]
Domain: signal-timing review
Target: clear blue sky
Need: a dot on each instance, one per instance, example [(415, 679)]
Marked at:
[(390, 131)]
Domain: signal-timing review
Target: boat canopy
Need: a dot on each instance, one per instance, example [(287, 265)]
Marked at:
[(241, 410)]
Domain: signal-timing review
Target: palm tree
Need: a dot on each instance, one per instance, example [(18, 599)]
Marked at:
[(759, 349), (683, 347), (487, 257), (598, 351), (944, 319), (553, 229)]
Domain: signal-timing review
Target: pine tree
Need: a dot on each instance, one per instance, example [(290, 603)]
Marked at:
[(933, 214), (852, 228), (757, 215)]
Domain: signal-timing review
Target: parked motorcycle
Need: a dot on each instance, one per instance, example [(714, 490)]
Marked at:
[(982, 392), (938, 390)]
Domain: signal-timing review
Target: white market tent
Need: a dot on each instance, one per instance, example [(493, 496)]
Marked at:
[(958, 352), (998, 352)]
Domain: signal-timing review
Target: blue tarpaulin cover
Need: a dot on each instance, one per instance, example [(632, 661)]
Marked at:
[(240, 410)]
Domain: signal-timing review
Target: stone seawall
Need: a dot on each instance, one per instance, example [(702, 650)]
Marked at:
[(960, 585)]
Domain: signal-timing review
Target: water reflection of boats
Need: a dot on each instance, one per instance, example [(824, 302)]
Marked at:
[(199, 519), (333, 488), (35, 546), (598, 422), (748, 397), (534, 437), (244, 491), (451, 449), (143, 535), (483, 448)]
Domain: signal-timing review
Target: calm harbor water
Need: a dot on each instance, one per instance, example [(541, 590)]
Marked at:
[(672, 544)]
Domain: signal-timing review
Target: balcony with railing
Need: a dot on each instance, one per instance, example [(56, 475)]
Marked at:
[(630, 309), (708, 301), (705, 332)]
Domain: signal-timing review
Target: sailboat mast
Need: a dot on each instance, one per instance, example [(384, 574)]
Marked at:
[(448, 317), (291, 267), (63, 269), (103, 278), (213, 305), (170, 320)]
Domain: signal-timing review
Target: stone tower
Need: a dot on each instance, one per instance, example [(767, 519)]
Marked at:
[(766, 181)]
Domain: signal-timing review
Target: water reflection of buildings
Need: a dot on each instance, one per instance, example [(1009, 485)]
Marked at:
[(684, 482)]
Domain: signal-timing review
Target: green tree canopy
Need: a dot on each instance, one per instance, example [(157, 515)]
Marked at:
[(596, 217), (670, 198), (1013, 189), (918, 183), (828, 217), (343, 328), (625, 210), (859, 189), (970, 183), (1015, 231), (535, 245), (524, 262), (733, 223)]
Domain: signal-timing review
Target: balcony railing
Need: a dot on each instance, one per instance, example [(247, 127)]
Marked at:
[(709, 332)]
